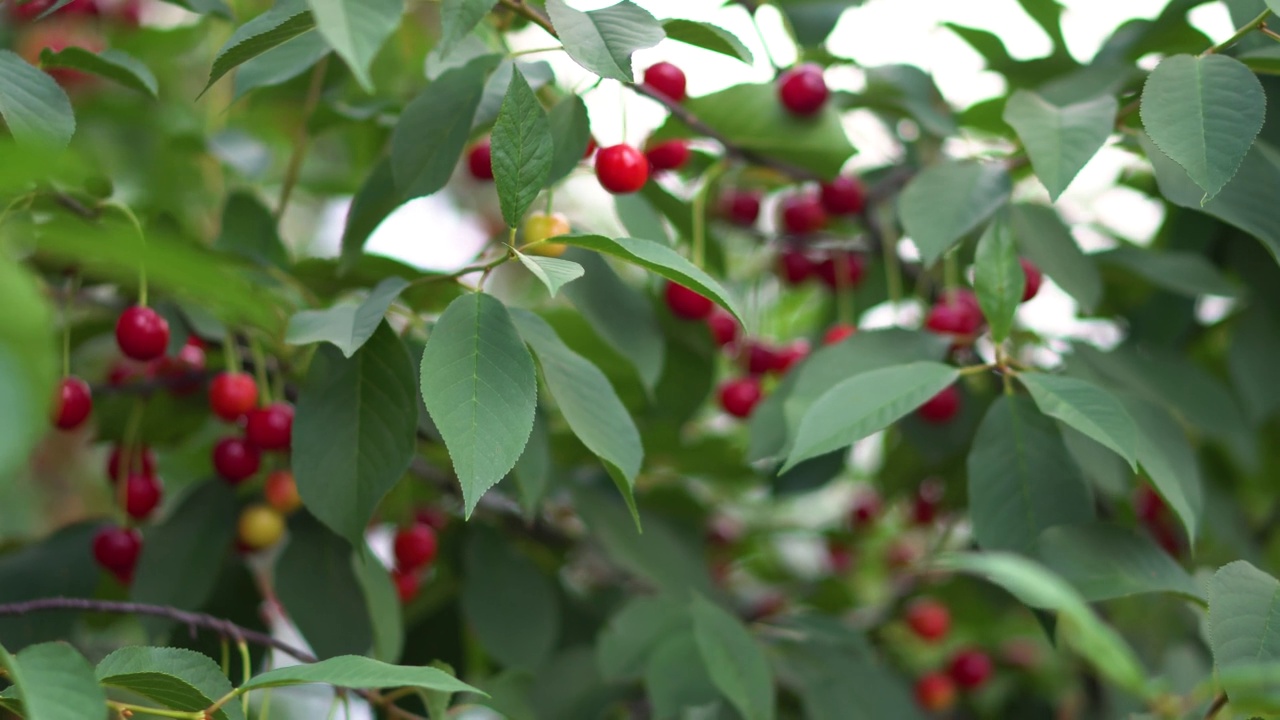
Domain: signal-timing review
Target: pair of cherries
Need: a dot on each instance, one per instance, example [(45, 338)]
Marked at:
[(232, 396)]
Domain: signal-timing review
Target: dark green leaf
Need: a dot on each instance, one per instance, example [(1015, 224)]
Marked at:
[(356, 29), (570, 135), (908, 90), (56, 566), (948, 200), (1047, 242), (348, 326), (280, 64), (249, 230), (1109, 561), (1087, 408), (1170, 462), (1184, 272), (708, 37), (177, 679), (384, 605), (32, 105), (813, 20), (55, 682), (634, 632), (114, 65), (533, 470), (508, 602), (1060, 140), (602, 41), (361, 673), (1255, 344), (316, 581), (458, 18), (676, 678), (285, 20), (521, 146), (997, 277), (374, 201), (434, 127), (735, 662), (1243, 601)]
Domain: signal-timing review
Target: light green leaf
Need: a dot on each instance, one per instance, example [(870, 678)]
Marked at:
[(640, 218), (348, 326), (907, 90), (280, 64), (864, 404), (553, 272), (1167, 458), (356, 29), (55, 682), (479, 386), (570, 134), (602, 41), (32, 105), (1060, 140), (434, 127), (1087, 408), (1243, 602), (998, 277), (1183, 272), (285, 20), (114, 65), (634, 632), (29, 366), (354, 435), (1047, 242), (708, 37), (316, 580), (508, 602), (383, 602), (1107, 561), (457, 19), (361, 673), (1204, 113), (948, 200), (1021, 478), (735, 662), (521, 147), (177, 679)]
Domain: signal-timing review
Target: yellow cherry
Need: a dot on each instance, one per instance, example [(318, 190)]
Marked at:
[(541, 226)]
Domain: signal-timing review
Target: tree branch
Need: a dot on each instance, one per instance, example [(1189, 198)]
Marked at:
[(1218, 703)]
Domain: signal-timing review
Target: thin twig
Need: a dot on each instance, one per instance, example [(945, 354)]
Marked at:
[(1218, 703)]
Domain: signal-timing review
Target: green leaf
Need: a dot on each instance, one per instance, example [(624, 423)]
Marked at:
[(508, 602), (285, 20), (602, 41), (998, 277), (434, 127), (1183, 272), (479, 386), (175, 678), (1087, 408), (354, 434), (384, 605), (633, 633), (588, 403), (909, 91), (948, 200), (374, 201), (1204, 113), (1170, 462), (570, 135), (280, 64), (56, 566), (662, 260), (1255, 344), (1243, 600), (356, 29), (1046, 241), (552, 272), (1105, 561), (457, 19), (55, 682), (316, 581), (1021, 478), (533, 470), (360, 673), (639, 218), (29, 366), (249, 230), (32, 105), (537, 73), (735, 662), (813, 20), (864, 404), (114, 65), (1060, 140), (521, 146), (675, 677), (708, 37), (348, 326)]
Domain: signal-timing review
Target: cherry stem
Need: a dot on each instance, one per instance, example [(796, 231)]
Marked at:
[(127, 710), (247, 672), (72, 285), (1239, 34), (142, 266), (231, 352), (130, 444), (260, 370), (700, 210), (302, 140)]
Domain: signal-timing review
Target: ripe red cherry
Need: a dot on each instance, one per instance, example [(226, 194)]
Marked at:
[(686, 303), (31, 10), (232, 394), (669, 155), (941, 408), (1034, 278), (924, 509), (432, 517), (73, 404), (142, 495), (935, 692), (117, 549), (787, 357), (843, 196), (270, 428), (848, 267), (1147, 504), (795, 266), (724, 328), (142, 333), (970, 668), (591, 148), (956, 313), (802, 214), (758, 358), (407, 584), (865, 510), (929, 619), (621, 169), (415, 547), (802, 89), (740, 207), (177, 370), (235, 459), (667, 79), (739, 397), (838, 332), (480, 162), (140, 461)]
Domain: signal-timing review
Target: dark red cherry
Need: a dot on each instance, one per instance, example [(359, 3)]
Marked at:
[(839, 266), (407, 584), (795, 266), (802, 214), (667, 79), (802, 89), (232, 394), (142, 495), (941, 408), (235, 459), (415, 547), (843, 196), (480, 161), (970, 668), (739, 397), (73, 403), (621, 169), (687, 304), (669, 155), (724, 328), (117, 549), (1034, 279), (142, 333), (740, 207), (270, 428)]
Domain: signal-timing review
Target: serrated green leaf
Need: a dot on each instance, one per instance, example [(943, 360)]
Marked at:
[(602, 41), (177, 679), (507, 601), (521, 147), (479, 386), (949, 200), (316, 581), (1047, 242), (374, 201), (1060, 139), (1087, 408), (1204, 113), (55, 682), (1242, 602), (1183, 272), (249, 230), (348, 326), (708, 37), (1021, 479), (280, 64), (458, 18), (864, 404), (32, 105), (114, 65), (361, 673), (998, 278), (634, 632), (434, 127), (356, 30), (735, 662), (1167, 458), (570, 135), (285, 20), (1107, 561), (354, 435)]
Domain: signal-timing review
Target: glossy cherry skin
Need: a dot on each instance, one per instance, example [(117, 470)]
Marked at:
[(802, 214), (142, 333), (724, 328), (117, 549), (795, 266), (407, 584), (838, 266), (235, 459), (843, 196), (667, 79), (232, 394), (739, 397), (687, 304), (1034, 279), (787, 357), (759, 358), (935, 692), (669, 155), (141, 460), (142, 495), (956, 313), (929, 619), (837, 333), (941, 408), (866, 508), (621, 169), (970, 669), (802, 90), (415, 547), (73, 403), (740, 207), (480, 161), (271, 427)]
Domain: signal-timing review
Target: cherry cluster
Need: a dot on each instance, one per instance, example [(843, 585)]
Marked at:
[(79, 23), (415, 550)]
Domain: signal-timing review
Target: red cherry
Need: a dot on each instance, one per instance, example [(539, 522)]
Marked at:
[(25, 11), (970, 668), (924, 509), (117, 549), (177, 370), (843, 196), (669, 155), (941, 408), (866, 508), (73, 404), (142, 333), (838, 332), (789, 356), (591, 148), (232, 394), (142, 495), (1148, 504), (1034, 278), (433, 517), (724, 328), (621, 169), (270, 428), (802, 89), (935, 692), (758, 358), (929, 619), (956, 313), (802, 214), (795, 266), (666, 79), (480, 162), (839, 556), (739, 397), (141, 461), (407, 584), (740, 207), (846, 266), (415, 547), (235, 459), (687, 304)]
